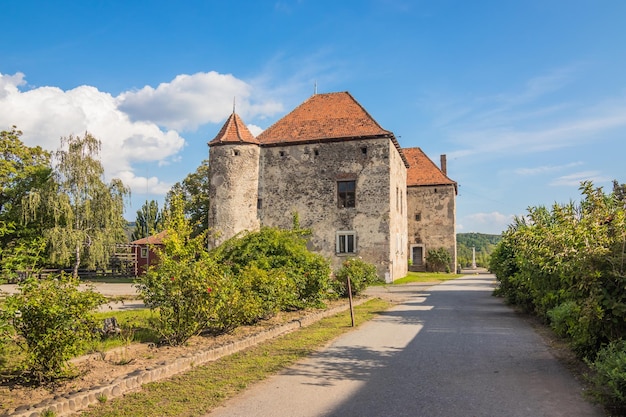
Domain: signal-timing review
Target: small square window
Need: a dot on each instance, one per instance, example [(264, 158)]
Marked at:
[(236, 152), (346, 194), (364, 150), (144, 252), (316, 152), (418, 217), (281, 153), (346, 242)]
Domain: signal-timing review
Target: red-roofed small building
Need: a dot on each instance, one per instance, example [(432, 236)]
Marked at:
[(145, 253)]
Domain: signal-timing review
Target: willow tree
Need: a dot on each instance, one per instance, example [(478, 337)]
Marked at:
[(87, 212)]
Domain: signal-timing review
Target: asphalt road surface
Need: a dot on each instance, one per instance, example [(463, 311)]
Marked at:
[(447, 350)]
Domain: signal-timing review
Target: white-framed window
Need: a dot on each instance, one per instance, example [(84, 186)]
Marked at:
[(346, 242), (144, 252)]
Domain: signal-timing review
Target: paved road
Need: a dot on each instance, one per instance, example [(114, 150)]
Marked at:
[(448, 350)]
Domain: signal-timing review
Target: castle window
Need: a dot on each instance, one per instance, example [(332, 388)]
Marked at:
[(317, 152), (259, 203), (236, 152), (281, 153), (346, 242), (364, 150), (418, 217), (346, 195)]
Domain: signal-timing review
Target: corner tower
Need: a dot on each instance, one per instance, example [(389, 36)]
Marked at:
[(233, 181)]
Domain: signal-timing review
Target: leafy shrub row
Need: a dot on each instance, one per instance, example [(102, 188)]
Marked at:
[(567, 265), (191, 290)]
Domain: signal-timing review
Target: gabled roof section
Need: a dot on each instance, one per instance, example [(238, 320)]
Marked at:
[(422, 171), (323, 116), (234, 131), (151, 240), (326, 117)]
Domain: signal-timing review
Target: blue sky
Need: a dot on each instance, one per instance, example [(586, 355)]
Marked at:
[(526, 97)]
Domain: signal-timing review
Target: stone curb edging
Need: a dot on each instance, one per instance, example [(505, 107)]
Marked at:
[(74, 402)]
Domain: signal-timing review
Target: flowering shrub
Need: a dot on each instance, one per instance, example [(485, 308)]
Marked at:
[(53, 321), (361, 275)]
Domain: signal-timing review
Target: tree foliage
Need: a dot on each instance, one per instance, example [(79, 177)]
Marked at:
[(567, 264), (150, 220), (22, 169), (484, 245), (87, 213), (194, 190)]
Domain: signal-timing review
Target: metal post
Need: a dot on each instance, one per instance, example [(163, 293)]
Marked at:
[(350, 298)]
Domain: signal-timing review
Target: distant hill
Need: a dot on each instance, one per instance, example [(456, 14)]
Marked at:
[(483, 243)]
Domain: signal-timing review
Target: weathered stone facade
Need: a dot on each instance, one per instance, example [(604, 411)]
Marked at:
[(333, 165), (234, 182), (302, 179), (431, 210)]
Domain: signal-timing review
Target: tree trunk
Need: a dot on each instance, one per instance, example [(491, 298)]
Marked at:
[(77, 263)]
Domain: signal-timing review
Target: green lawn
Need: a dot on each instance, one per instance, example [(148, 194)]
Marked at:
[(426, 277)]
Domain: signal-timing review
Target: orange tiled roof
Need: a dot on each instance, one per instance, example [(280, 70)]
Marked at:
[(323, 116), (423, 171), (152, 240), (234, 131)]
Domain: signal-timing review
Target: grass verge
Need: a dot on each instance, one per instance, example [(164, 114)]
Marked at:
[(426, 277), (196, 392)]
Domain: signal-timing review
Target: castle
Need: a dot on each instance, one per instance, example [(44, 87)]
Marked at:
[(346, 177)]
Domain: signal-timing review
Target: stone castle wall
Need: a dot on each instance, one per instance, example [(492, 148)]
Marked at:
[(233, 190), (302, 178), (431, 220)]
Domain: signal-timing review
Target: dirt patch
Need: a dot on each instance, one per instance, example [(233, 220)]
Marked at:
[(101, 368)]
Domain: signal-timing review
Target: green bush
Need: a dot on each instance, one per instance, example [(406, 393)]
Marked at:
[(438, 260), (361, 275), (251, 295), (609, 376), (184, 287), (54, 321), (271, 249)]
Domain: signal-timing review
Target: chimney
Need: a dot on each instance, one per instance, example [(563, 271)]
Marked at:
[(444, 165)]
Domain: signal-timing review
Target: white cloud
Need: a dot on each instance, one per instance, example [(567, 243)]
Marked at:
[(128, 125), (144, 185), (45, 114), (189, 101), (546, 168), (578, 177), (493, 222), (532, 120), (255, 130)]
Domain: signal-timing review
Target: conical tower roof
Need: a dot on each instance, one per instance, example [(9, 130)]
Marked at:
[(234, 131)]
